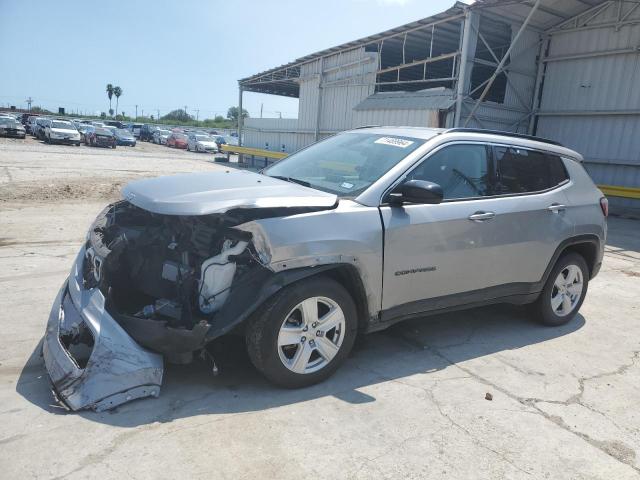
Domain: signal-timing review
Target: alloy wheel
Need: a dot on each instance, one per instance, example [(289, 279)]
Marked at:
[(311, 335), (567, 290)]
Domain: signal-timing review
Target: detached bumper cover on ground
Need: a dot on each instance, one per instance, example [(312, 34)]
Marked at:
[(117, 369)]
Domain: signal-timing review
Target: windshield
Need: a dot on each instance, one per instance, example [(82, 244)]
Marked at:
[(345, 164), (124, 133), (64, 125), (204, 138), (164, 132), (104, 131)]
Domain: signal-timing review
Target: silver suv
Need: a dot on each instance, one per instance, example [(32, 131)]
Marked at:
[(352, 234)]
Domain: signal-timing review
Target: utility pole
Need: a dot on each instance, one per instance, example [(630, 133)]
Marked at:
[(197, 114), (143, 112), (261, 107), (158, 117), (279, 114), (29, 102), (136, 112)]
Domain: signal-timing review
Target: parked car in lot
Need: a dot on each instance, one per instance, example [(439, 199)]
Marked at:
[(114, 123), (101, 137), (124, 137), (10, 127), (177, 140), (160, 136), (198, 142), (84, 129), (32, 125), (39, 129), (146, 132), (225, 140), (352, 234), (61, 131), (135, 129)]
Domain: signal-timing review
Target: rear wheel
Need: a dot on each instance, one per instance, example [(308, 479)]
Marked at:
[(304, 333), (564, 292)]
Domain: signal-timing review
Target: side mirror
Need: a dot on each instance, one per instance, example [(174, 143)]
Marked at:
[(416, 191)]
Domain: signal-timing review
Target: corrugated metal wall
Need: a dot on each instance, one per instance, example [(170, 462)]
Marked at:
[(610, 143)]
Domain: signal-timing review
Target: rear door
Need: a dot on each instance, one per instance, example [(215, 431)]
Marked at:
[(532, 185)]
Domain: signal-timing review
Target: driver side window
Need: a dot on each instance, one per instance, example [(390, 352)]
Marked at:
[(461, 170)]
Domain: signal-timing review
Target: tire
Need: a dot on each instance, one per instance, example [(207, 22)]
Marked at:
[(264, 329), (113, 146), (546, 309), (77, 144)]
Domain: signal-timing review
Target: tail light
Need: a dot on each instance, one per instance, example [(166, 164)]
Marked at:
[(604, 205)]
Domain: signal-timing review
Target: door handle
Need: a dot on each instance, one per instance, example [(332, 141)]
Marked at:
[(481, 216), (556, 207)]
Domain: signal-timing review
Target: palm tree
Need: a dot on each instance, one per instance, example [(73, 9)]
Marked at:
[(109, 93), (117, 91)]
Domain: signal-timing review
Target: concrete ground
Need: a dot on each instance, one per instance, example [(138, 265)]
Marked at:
[(409, 402)]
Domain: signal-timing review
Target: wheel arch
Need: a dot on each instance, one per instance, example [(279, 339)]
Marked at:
[(588, 246), (239, 307)]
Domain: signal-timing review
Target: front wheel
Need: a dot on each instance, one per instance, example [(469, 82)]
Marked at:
[(564, 291), (304, 333)]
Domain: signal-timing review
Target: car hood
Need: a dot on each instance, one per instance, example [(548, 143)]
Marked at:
[(217, 192)]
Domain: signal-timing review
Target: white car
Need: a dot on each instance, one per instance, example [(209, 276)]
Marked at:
[(61, 131), (201, 143), (160, 136)]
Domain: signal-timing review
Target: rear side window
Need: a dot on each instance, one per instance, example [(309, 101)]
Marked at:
[(461, 170), (521, 171)]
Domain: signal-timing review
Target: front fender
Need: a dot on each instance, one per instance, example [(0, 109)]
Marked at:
[(349, 234)]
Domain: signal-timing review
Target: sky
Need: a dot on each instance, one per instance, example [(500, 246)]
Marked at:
[(171, 54)]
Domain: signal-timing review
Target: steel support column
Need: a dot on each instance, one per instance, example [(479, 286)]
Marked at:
[(240, 119), (319, 106), (465, 55), (502, 62)]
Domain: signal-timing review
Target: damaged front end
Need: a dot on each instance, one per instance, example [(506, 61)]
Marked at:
[(92, 362), (149, 285)]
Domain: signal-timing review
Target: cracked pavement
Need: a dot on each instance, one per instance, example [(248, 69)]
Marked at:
[(409, 402)]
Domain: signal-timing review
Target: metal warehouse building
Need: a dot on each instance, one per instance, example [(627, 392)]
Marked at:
[(568, 70)]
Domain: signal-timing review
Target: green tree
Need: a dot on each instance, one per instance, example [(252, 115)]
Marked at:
[(218, 119), (109, 93), (232, 114), (117, 91), (178, 115)]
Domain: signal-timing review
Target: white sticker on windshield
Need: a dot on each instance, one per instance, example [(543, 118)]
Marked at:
[(394, 142), (346, 185)]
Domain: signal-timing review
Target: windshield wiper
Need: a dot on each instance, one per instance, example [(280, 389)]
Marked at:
[(292, 180)]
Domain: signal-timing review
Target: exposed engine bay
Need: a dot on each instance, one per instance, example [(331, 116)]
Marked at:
[(165, 277)]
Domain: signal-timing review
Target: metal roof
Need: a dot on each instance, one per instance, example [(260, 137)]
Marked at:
[(432, 99), (282, 80)]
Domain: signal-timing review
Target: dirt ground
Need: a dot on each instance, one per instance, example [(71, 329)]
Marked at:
[(410, 402)]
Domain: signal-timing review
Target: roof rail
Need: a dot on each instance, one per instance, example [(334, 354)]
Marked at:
[(365, 126), (505, 134)]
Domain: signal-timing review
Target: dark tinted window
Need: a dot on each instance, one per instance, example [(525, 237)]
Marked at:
[(520, 171), (461, 170)]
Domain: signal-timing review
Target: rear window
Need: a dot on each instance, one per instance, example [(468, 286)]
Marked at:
[(104, 131), (521, 171)]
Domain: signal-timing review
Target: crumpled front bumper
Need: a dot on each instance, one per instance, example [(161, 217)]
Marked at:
[(117, 370)]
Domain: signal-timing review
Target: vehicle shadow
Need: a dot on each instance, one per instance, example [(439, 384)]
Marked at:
[(420, 346)]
